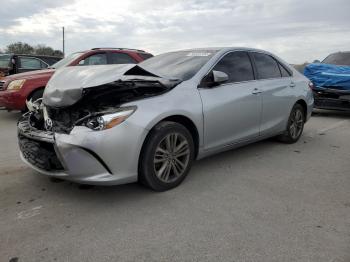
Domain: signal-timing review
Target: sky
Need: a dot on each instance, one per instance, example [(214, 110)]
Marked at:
[(295, 30)]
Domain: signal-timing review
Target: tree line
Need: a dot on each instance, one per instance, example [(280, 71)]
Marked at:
[(24, 48)]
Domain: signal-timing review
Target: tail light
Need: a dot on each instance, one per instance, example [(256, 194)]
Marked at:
[(311, 85)]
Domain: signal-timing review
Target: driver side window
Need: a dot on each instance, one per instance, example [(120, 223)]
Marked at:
[(237, 66)]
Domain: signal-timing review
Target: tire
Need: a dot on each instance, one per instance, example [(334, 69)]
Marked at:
[(166, 156), (295, 125), (34, 96)]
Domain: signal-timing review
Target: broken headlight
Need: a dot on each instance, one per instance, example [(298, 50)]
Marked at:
[(109, 120)]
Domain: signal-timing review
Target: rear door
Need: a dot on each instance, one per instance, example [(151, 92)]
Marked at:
[(231, 110), (276, 85)]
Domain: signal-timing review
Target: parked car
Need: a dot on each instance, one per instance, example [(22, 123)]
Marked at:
[(117, 124), (17, 90), (330, 81), (15, 63)]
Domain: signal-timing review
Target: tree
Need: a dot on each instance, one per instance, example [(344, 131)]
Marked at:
[(19, 48), (43, 50), (46, 50), (301, 67), (58, 53), (24, 48)]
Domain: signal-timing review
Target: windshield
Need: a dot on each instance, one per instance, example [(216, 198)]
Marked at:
[(338, 59), (65, 61), (181, 65), (5, 60)]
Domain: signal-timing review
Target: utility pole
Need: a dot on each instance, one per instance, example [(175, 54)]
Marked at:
[(63, 40)]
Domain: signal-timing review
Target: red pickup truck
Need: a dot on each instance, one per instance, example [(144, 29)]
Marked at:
[(16, 89)]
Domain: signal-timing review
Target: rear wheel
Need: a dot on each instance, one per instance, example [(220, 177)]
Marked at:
[(295, 125), (167, 156)]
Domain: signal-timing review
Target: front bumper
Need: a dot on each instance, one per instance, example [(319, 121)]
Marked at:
[(12, 100), (108, 157), (327, 98)]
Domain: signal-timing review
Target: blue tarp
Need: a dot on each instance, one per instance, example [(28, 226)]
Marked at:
[(326, 75)]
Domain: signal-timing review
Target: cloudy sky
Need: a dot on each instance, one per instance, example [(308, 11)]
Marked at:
[(296, 30)]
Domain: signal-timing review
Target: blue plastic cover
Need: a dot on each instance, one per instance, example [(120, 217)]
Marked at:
[(326, 75)]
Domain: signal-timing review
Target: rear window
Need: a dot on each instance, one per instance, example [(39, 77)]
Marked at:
[(5, 60), (145, 55), (50, 60), (284, 71), (267, 66), (338, 59)]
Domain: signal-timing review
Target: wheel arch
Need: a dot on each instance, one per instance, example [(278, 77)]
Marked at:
[(32, 92), (180, 119), (304, 105)]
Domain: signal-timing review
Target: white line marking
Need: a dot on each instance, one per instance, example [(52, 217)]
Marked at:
[(29, 213)]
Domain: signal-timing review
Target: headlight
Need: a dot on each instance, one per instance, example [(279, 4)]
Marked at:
[(107, 121), (16, 84)]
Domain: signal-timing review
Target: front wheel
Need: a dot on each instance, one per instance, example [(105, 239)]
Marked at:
[(167, 156), (38, 94), (295, 125)]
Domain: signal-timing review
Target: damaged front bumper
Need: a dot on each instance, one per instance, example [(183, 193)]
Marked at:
[(107, 157), (333, 99)]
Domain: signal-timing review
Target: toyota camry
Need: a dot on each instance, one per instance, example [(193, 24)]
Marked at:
[(116, 124)]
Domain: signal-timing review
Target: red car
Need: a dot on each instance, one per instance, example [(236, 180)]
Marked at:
[(16, 89)]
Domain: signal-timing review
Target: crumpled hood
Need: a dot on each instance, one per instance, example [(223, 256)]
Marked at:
[(66, 85), (326, 75)]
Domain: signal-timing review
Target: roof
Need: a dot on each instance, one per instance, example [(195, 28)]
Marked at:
[(34, 55), (224, 49), (118, 48)]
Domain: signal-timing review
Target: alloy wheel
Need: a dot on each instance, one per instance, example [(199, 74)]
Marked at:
[(171, 157), (296, 124)]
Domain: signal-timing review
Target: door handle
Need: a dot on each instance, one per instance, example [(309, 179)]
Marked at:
[(256, 91), (292, 84)]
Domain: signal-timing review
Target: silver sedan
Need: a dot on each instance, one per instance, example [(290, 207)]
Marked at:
[(115, 124)]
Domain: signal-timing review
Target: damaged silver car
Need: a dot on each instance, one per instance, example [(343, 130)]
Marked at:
[(118, 124)]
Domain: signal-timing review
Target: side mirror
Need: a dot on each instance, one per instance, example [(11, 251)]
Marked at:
[(316, 61), (219, 77), (214, 78)]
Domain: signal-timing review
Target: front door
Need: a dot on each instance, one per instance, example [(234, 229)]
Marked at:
[(231, 110)]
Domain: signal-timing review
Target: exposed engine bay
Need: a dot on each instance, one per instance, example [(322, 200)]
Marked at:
[(95, 101)]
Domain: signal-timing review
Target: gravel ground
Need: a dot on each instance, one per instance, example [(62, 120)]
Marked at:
[(263, 202)]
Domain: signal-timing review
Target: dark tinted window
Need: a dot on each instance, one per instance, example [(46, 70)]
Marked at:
[(181, 65), (267, 66), (337, 59), (43, 65), (284, 71), (145, 55), (237, 66), (121, 58), (50, 60), (96, 59)]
